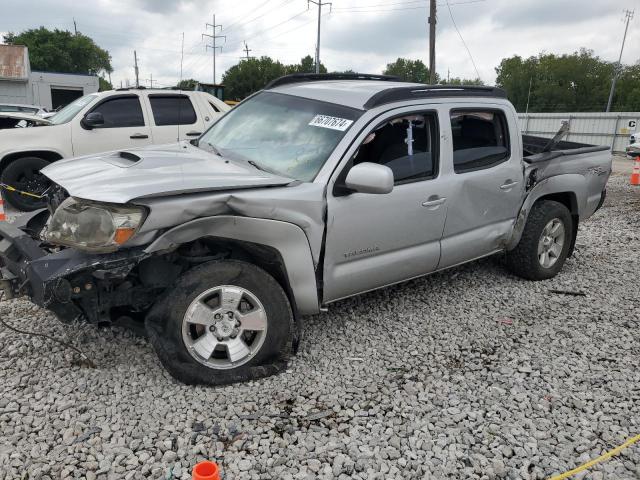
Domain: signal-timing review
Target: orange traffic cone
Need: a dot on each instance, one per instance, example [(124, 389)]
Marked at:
[(635, 174), (206, 470), (3, 216)]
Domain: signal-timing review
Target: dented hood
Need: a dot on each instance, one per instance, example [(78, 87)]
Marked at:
[(158, 171)]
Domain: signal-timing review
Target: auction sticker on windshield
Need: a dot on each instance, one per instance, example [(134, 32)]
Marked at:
[(334, 123)]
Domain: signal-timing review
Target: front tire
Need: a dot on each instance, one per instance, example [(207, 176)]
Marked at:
[(24, 174), (223, 322), (545, 242)]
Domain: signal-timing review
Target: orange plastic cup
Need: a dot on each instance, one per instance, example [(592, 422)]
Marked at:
[(206, 470)]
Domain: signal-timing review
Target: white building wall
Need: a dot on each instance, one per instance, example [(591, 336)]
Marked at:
[(14, 92), (611, 129), (41, 84)]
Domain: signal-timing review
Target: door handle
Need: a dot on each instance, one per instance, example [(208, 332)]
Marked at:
[(507, 186), (136, 136), (434, 203), (193, 134)]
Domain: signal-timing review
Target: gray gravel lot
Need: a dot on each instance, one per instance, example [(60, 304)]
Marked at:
[(470, 373)]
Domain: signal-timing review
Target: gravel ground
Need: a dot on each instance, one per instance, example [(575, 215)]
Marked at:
[(470, 373)]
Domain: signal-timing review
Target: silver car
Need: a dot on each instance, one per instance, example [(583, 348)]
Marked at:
[(315, 189)]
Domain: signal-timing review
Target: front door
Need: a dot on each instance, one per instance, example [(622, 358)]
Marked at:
[(486, 184), (125, 126), (375, 240)]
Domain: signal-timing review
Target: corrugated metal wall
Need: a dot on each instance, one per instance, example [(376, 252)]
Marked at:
[(611, 129)]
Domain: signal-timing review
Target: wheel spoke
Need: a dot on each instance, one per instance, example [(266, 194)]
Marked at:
[(201, 314), (237, 349), (555, 249), (230, 298), (205, 345), (544, 259), (253, 320), (555, 228)]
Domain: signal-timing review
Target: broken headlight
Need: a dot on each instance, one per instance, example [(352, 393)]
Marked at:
[(93, 226)]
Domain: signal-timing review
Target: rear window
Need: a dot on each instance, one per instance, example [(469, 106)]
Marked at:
[(480, 139), (172, 110)]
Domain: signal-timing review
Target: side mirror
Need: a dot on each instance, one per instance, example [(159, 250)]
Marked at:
[(92, 120), (369, 177)]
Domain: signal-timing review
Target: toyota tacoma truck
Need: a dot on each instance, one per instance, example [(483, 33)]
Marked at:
[(98, 122), (315, 189)]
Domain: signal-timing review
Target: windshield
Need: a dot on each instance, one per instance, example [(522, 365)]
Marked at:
[(70, 111), (18, 108), (289, 135)]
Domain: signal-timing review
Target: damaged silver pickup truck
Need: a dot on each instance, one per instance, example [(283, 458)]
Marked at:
[(317, 188)]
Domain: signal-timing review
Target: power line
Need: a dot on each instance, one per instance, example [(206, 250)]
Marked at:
[(213, 46), (462, 39)]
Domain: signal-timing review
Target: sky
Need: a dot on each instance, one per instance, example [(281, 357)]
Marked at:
[(356, 34)]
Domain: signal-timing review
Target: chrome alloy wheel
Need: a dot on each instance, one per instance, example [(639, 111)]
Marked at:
[(224, 327), (551, 243)]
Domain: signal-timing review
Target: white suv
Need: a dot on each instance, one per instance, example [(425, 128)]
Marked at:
[(117, 119)]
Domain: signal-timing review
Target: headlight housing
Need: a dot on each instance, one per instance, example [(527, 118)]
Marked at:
[(92, 226)]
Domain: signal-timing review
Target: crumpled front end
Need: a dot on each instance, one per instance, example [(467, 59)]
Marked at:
[(67, 281)]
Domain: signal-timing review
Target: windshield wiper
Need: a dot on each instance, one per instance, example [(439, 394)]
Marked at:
[(255, 164), (214, 149)]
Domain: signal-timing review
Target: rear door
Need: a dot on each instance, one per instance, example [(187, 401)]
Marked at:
[(486, 182), (126, 125), (174, 118), (374, 240)]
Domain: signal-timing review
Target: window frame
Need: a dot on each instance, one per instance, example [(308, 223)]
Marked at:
[(506, 134), (172, 95), (116, 97), (339, 189)]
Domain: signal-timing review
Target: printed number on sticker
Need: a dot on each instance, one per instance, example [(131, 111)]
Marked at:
[(334, 123)]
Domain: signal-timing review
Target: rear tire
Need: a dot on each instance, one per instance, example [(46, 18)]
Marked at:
[(24, 174), (205, 347), (545, 242)]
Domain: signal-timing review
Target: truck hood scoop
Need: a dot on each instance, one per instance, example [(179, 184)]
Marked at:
[(158, 171)]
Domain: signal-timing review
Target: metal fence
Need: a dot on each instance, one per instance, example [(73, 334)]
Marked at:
[(611, 129)]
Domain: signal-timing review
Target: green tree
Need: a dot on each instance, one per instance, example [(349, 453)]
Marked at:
[(306, 65), (409, 70), (577, 82), (62, 51), (250, 75), (187, 84), (104, 84)]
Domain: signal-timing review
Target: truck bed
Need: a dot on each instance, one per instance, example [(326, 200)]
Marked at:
[(534, 149)]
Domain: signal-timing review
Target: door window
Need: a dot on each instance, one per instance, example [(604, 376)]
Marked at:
[(406, 144), (172, 110), (121, 112), (480, 139)]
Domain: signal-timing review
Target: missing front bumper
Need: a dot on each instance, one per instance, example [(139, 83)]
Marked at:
[(69, 282)]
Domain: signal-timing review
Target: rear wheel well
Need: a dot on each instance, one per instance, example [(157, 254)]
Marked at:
[(569, 200), (44, 154)]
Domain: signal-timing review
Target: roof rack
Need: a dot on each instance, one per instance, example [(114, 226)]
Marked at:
[(313, 77), (398, 94), (124, 89)]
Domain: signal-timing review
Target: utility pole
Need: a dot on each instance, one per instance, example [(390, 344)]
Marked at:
[(150, 79), (247, 50), (320, 4), (526, 111), (213, 46), (432, 42), (618, 67), (75, 28), (135, 62)]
